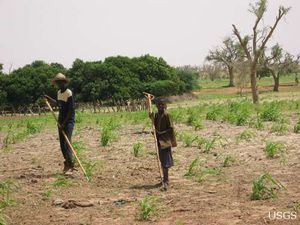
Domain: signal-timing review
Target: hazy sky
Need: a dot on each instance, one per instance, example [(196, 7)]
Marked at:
[(180, 31)]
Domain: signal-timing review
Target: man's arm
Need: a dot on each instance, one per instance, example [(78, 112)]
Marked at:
[(71, 108), (51, 100)]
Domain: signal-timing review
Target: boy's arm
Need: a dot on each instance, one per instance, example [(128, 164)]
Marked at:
[(169, 125)]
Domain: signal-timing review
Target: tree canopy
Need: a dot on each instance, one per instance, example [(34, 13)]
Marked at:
[(118, 78)]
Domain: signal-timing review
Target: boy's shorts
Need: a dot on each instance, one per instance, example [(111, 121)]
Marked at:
[(166, 158)]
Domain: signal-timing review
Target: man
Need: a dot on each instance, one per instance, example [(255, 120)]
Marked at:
[(66, 118)]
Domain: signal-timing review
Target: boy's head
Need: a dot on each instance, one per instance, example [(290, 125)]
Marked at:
[(60, 80), (161, 104)]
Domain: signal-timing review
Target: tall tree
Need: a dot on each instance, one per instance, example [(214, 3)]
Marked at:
[(227, 54), (255, 44), (279, 62)]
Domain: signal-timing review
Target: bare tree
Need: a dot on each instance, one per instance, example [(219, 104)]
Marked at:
[(212, 71), (255, 44), (226, 55), (279, 62)]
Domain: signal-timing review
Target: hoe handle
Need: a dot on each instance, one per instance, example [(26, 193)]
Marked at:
[(150, 97)]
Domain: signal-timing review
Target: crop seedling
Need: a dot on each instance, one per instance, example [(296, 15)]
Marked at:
[(106, 135), (89, 167), (187, 139), (214, 113), (229, 161), (194, 121), (274, 149), (279, 128), (137, 147), (206, 144), (270, 112), (265, 187), (297, 128), (6, 188), (61, 181), (246, 135), (193, 167), (9, 138), (3, 219), (256, 123), (296, 206), (148, 208), (47, 194), (200, 173), (32, 128)]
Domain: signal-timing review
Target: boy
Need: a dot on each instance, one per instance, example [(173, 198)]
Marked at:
[(66, 118), (165, 139)]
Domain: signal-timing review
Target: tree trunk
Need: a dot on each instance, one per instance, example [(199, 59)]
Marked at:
[(231, 76), (276, 83), (254, 86)]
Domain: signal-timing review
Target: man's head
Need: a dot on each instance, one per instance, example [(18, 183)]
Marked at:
[(60, 80), (161, 104)]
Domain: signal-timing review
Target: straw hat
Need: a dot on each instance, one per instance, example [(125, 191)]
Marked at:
[(61, 77)]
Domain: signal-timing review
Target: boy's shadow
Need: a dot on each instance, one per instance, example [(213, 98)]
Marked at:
[(146, 186)]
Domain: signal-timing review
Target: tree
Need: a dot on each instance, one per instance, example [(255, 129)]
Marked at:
[(1, 68), (278, 63), (226, 55), (212, 71), (254, 46), (27, 84)]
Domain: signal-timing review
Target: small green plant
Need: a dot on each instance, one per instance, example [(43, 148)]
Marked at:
[(148, 208), (193, 167), (274, 149), (187, 139), (265, 187), (47, 194), (6, 188), (270, 112), (89, 167), (229, 161), (210, 144), (279, 128), (246, 135), (297, 128), (206, 144), (10, 138), (256, 123), (137, 147), (214, 113), (62, 181), (106, 135), (32, 128), (200, 173), (180, 222), (3, 220), (79, 148), (296, 206), (195, 121)]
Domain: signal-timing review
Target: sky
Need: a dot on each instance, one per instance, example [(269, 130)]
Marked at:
[(182, 32)]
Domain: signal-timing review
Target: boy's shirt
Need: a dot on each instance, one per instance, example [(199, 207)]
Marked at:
[(66, 104), (163, 122)]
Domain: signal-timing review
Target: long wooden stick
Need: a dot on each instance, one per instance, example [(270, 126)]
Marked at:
[(150, 98), (67, 140)]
